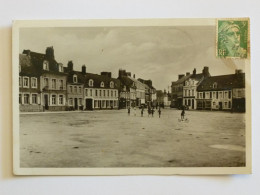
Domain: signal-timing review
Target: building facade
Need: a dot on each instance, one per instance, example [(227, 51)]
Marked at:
[(190, 88), (221, 92)]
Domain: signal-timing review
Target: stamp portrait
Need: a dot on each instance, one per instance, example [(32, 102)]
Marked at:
[(232, 38)]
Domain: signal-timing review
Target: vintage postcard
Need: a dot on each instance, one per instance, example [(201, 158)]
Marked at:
[(131, 97)]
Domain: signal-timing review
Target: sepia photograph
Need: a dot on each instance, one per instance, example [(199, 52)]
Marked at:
[(120, 97)]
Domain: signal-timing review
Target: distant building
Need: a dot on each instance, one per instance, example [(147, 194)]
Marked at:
[(224, 92), (132, 91), (150, 92), (75, 88), (190, 87), (100, 91)]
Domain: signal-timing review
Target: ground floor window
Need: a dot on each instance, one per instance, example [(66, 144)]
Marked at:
[(103, 104), (70, 101), (53, 99), (26, 98), (61, 99), (80, 101), (229, 104), (34, 98)]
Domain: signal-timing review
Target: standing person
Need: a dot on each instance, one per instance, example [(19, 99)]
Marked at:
[(159, 111), (142, 112), (128, 111), (182, 113), (134, 111), (149, 111), (152, 111)]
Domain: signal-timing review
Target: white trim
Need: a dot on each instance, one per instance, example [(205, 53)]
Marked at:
[(28, 82), (32, 82), (28, 98), (32, 98)]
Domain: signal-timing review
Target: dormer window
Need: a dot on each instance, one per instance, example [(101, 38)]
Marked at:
[(186, 83), (90, 82), (45, 65), (111, 84), (102, 84), (75, 79), (215, 85), (60, 68)]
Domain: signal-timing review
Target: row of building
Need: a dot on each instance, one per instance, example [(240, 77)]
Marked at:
[(45, 84), (205, 92)]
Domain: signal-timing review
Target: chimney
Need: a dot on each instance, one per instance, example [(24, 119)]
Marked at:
[(194, 71), (238, 71), (187, 73), (49, 53), (70, 66), (121, 73), (134, 76), (108, 74), (205, 71), (83, 69), (180, 76)]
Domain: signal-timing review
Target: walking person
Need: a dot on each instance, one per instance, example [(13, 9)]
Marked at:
[(182, 113), (142, 112), (152, 111), (128, 111), (159, 111)]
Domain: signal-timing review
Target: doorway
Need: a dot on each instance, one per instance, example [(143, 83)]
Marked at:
[(89, 104), (46, 102)]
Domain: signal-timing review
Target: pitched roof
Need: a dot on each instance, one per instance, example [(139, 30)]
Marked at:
[(181, 80), (197, 76), (223, 82), (85, 77)]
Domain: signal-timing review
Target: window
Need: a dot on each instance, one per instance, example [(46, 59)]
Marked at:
[(192, 92), (26, 82), (20, 98), (111, 84), (80, 90), (20, 81), (80, 101), (111, 93), (34, 98), (26, 99), (75, 89), (61, 84), (115, 94), (100, 93), (107, 93), (46, 82), (75, 79), (90, 92), (90, 82), (213, 94), (214, 103), (86, 92), (215, 85), (102, 84), (226, 94), (60, 68), (61, 99), (53, 83), (45, 65), (96, 92), (34, 82), (226, 104), (229, 94), (104, 93), (70, 87), (70, 101), (220, 94), (53, 99)]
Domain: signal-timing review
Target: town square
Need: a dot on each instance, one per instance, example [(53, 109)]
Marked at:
[(111, 138)]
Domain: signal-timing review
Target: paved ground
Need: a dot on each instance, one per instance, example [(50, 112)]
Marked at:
[(113, 139)]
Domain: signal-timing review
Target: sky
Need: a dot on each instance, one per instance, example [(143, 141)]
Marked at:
[(156, 53)]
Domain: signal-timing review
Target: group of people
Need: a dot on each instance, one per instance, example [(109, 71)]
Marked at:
[(150, 111)]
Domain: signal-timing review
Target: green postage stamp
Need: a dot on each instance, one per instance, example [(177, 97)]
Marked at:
[(233, 38)]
